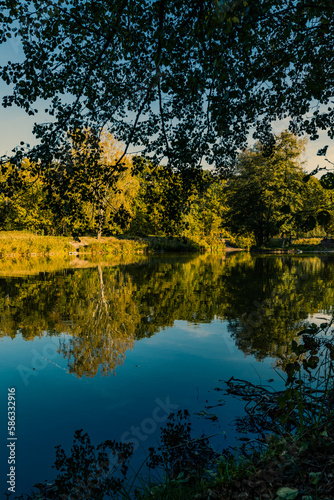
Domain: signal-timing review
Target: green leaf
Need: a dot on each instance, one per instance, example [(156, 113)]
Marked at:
[(287, 493), (315, 477)]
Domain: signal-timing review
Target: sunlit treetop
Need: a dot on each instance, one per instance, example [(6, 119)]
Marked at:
[(183, 80)]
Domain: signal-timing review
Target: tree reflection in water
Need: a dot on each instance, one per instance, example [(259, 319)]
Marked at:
[(106, 308)]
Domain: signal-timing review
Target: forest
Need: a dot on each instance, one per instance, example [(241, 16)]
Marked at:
[(89, 193)]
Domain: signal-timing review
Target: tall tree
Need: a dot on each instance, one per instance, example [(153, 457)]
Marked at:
[(267, 190), (89, 180), (207, 212), (185, 80), (163, 198), (317, 208)]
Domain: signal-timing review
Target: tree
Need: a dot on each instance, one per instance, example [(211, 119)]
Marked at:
[(163, 198), (23, 203), (89, 182), (266, 191), (317, 208), (121, 206), (185, 80), (207, 212), (326, 217)]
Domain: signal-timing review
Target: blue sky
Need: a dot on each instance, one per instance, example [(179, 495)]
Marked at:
[(16, 125)]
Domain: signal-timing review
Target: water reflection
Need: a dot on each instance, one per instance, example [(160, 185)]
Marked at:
[(105, 308), (272, 299)]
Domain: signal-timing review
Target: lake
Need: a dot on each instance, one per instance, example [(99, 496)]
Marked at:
[(111, 347)]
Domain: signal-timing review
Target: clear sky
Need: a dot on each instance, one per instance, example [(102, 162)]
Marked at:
[(16, 125)]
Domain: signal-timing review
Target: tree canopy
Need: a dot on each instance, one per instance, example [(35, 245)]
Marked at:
[(268, 195), (185, 81), (267, 189), (89, 182)]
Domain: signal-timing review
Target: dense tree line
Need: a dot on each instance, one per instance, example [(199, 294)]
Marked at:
[(89, 192)]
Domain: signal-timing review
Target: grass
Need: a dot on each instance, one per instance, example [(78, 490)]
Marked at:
[(172, 244), (19, 243), (110, 246), (116, 245), (24, 243), (289, 468)]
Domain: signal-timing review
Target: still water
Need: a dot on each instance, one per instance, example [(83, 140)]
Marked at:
[(113, 347)]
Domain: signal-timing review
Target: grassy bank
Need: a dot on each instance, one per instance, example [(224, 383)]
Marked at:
[(124, 245), (297, 245), (23, 243), (17, 243), (290, 469)]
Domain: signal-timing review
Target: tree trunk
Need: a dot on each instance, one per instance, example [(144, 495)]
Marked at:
[(259, 238), (100, 223), (102, 205), (102, 295), (283, 240)]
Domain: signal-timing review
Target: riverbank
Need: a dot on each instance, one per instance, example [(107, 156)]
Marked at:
[(18, 243), (289, 469), (298, 245)]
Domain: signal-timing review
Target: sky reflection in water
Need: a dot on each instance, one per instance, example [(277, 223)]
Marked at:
[(112, 348)]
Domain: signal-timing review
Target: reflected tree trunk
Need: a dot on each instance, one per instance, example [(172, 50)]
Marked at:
[(102, 293)]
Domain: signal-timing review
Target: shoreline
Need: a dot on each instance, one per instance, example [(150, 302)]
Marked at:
[(16, 244)]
